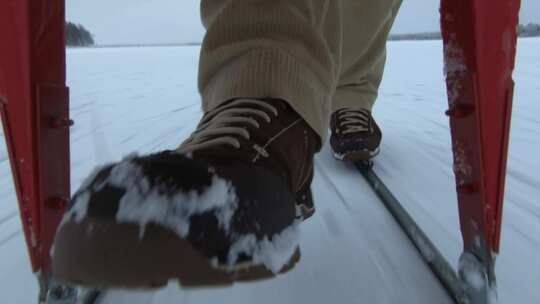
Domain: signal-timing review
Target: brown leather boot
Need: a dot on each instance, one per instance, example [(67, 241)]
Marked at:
[(355, 134), (223, 207)]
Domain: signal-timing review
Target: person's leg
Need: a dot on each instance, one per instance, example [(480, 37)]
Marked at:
[(282, 49), (366, 25)]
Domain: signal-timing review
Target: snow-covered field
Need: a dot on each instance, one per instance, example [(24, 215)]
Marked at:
[(145, 99)]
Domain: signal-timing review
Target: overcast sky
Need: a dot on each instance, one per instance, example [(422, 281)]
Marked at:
[(172, 21)]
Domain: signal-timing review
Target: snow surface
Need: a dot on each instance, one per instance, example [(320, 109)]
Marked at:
[(143, 100)]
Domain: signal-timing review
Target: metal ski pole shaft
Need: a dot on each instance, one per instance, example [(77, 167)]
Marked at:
[(438, 264)]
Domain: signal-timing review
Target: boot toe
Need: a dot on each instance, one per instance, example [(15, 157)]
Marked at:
[(148, 219)]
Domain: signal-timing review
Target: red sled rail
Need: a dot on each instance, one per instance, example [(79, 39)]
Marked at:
[(479, 49), (479, 38), (34, 110)]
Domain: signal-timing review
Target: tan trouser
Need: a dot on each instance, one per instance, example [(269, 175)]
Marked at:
[(318, 55)]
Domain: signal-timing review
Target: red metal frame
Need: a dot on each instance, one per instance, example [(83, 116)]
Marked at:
[(480, 45), (34, 109)]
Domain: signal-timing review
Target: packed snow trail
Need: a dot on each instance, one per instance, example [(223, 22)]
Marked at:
[(145, 100)]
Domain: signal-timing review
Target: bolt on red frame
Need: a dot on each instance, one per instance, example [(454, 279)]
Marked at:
[(479, 38)]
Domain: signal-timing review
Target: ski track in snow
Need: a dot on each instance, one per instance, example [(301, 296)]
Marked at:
[(145, 99)]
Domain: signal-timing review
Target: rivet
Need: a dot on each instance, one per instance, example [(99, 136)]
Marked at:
[(459, 111), (466, 188), (56, 203), (61, 122)]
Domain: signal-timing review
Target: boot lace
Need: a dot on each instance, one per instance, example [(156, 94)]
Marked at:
[(216, 127), (352, 120)]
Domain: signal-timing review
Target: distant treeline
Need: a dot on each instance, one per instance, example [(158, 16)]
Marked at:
[(417, 36), (529, 30), (77, 35)]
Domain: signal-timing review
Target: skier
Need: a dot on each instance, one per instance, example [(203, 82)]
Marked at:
[(226, 204)]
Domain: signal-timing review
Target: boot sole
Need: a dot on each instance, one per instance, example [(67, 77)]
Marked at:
[(114, 255), (357, 155)]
